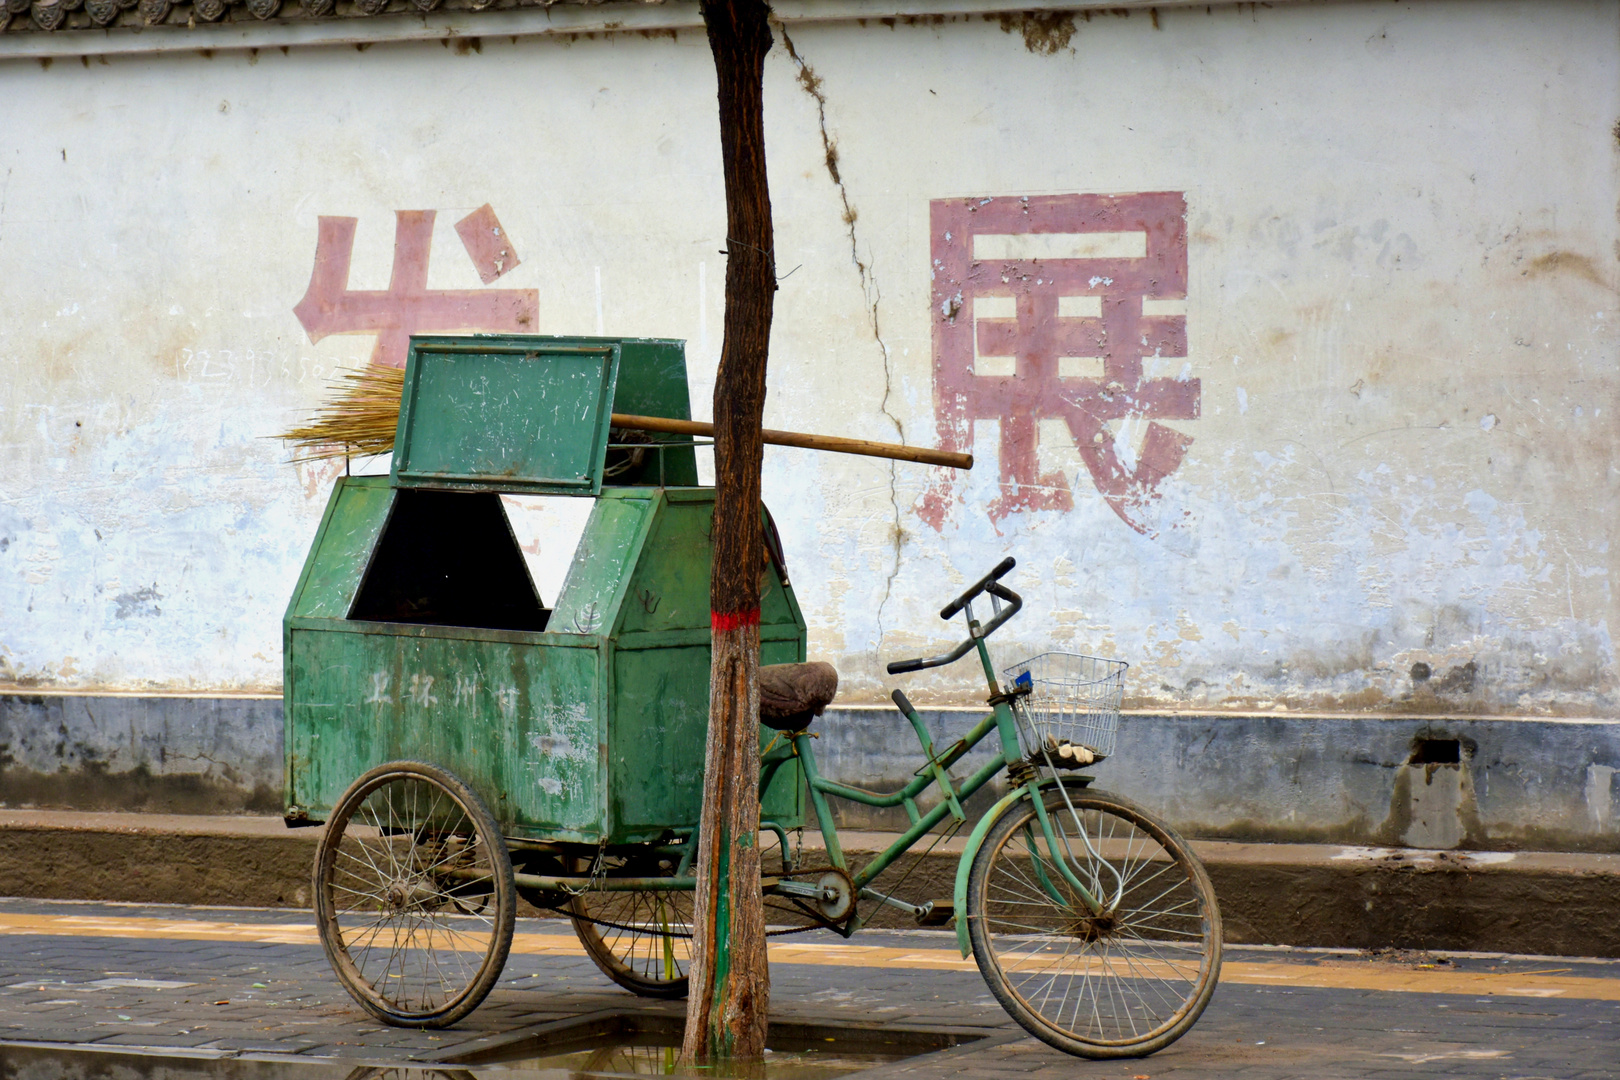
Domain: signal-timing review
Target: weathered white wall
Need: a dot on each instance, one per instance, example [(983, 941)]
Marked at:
[(1402, 261)]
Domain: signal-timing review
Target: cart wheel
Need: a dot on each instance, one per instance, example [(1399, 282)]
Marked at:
[(413, 895), (1124, 983), (640, 940)]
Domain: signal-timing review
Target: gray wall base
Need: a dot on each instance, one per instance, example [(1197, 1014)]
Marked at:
[(1515, 784)]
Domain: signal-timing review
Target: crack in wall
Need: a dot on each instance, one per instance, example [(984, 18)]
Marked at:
[(872, 296)]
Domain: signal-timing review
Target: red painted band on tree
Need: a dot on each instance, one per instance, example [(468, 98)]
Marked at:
[(721, 622)]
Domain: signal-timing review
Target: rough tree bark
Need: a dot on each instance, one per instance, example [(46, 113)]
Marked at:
[(726, 1014)]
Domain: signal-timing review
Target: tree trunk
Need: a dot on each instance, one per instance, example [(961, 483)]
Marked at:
[(726, 1014)]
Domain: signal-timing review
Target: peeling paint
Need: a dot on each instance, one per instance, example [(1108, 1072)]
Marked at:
[(142, 603), (1044, 32)]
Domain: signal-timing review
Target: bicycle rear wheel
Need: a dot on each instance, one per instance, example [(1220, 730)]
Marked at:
[(1125, 982), (642, 940)]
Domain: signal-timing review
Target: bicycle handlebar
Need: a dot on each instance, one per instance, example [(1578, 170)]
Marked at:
[(988, 583), (900, 667), (978, 587)]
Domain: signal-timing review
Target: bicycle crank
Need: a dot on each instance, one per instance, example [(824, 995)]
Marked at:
[(832, 894)]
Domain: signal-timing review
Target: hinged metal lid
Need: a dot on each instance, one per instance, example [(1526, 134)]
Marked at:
[(505, 414)]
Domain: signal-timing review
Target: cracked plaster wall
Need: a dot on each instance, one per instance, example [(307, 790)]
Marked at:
[(1402, 258)]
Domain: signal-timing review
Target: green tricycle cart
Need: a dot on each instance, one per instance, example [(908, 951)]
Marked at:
[(465, 744)]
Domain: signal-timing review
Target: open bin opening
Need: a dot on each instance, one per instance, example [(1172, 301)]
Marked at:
[(448, 558)]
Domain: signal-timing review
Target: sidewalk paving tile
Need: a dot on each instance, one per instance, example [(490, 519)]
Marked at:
[(1250, 1032)]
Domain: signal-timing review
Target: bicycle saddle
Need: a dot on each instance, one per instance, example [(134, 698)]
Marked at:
[(792, 695)]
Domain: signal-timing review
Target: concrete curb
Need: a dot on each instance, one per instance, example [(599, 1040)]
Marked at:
[(1557, 906), (1275, 894), (168, 859)]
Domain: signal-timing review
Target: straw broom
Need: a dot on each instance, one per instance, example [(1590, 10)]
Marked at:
[(361, 416), (358, 420)]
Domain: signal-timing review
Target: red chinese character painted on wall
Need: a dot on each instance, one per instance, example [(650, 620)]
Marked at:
[(1066, 308), (408, 306)]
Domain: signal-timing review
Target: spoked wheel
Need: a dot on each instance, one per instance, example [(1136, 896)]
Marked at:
[(1120, 983), (640, 940), (413, 895)]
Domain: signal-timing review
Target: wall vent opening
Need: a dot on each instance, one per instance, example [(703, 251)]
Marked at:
[(1435, 752)]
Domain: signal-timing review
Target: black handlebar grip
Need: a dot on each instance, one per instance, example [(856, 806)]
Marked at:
[(900, 667), (902, 702), (961, 602)]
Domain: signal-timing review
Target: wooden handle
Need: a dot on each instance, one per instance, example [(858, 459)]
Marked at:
[(810, 442)]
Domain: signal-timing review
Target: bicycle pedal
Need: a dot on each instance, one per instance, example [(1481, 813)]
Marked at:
[(939, 913)]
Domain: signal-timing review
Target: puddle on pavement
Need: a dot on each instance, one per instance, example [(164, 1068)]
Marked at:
[(663, 1059), (627, 1044), (582, 1048)]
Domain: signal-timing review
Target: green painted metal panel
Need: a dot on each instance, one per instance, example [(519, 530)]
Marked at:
[(603, 563), (652, 378), (777, 607), (520, 721), (545, 638), (669, 589), (592, 730), (657, 731), (506, 414), (670, 586), (659, 701), (658, 727), (652, 382), (659, 639), (780, 607), (355, 515)]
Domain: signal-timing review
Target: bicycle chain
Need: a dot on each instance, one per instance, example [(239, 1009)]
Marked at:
[(821, 921)]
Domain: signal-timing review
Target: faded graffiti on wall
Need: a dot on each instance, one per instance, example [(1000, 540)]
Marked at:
[(1063, 317), (408, 306)]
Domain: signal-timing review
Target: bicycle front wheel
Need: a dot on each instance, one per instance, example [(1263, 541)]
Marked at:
[(1123, 982)]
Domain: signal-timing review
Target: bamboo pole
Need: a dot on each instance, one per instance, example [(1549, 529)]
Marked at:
[(834, 443)]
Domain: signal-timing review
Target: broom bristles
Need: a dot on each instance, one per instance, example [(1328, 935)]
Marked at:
[(358, 420)]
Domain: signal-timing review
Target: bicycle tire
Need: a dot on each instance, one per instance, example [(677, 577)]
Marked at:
[(1127, 982)]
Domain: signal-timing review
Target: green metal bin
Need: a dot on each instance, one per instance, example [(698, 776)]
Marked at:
[(415, 631)]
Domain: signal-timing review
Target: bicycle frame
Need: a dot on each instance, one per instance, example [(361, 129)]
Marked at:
[(1000, 720)]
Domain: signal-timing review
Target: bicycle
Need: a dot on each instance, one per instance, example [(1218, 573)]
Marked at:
[(1094, 924)]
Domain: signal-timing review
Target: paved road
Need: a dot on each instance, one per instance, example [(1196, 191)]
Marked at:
[(213, 981)]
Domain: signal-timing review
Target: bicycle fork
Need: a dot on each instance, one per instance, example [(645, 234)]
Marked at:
[(1061, 855), (1023, 773)]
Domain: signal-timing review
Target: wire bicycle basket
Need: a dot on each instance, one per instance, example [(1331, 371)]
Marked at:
[(1073, 702)]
